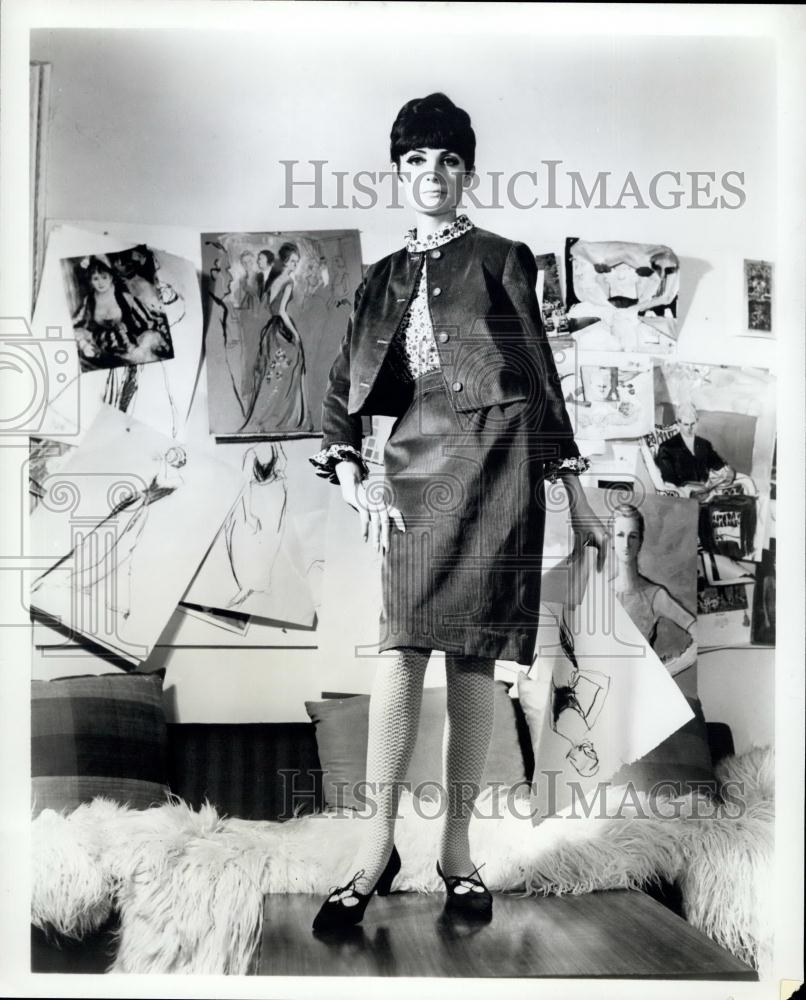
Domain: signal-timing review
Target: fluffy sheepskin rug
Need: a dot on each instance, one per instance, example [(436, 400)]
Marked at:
[(189, 885)]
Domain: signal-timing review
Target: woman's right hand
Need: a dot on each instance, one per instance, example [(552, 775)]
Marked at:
[(369, 499)]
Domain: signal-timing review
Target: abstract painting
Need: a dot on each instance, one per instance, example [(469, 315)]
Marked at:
[(622, 296), (549, 293), (607, 395), (758, 296), (121, 528), (723, 611), (277, 307)]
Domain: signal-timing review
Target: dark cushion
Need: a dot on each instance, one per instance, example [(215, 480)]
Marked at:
[(341, 736), (255, 770), (680, 764), (98, 735)]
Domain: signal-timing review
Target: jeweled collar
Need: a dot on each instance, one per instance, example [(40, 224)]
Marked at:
[(445, 234)]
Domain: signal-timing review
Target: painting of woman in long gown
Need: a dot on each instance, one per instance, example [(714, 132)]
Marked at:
[(278, 399), (276, 315)]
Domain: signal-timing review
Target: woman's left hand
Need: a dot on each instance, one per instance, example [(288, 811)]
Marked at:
[(586, 526), (589, 530)]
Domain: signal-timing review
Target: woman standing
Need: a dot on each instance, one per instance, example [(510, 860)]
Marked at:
[(446, 335)]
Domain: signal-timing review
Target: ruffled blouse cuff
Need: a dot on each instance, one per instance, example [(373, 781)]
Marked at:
[(558, 466), (326, 460)]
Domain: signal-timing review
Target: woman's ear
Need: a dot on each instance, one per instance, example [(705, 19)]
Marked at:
[(468, 178)]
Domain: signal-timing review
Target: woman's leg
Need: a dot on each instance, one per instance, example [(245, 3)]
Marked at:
[(394, 718), (468, 730)]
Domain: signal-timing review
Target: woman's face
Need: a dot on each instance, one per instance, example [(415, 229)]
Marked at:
[(263, 261), (291, 264), (626, 539), (432, 179), (101, 281)]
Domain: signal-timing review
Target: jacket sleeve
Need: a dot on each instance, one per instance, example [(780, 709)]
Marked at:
[(341, 432), (520, 281)]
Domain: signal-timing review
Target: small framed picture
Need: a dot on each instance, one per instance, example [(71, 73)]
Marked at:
[(758, 297)]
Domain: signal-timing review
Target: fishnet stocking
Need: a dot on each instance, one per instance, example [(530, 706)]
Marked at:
[(468, 730), (394, 718)]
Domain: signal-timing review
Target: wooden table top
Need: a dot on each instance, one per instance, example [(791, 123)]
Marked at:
[(616, 935)]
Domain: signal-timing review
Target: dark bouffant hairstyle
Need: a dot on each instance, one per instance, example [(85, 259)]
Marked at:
[(433, 122)]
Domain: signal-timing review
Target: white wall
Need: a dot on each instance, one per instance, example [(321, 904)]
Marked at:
[(187, 130)]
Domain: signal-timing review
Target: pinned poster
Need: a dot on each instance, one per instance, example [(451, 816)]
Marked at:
[(607, 395), (121, 528), (277, 306), (268, 558), (608, 698), (134, 343), (622, 296), (714, 441)]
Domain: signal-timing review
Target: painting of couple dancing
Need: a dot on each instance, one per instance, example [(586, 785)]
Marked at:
[(277, 308)]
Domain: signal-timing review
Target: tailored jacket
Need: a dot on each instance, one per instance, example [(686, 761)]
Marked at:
[(488, 331)]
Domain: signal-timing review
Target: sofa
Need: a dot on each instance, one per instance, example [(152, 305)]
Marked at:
[(253, 773)]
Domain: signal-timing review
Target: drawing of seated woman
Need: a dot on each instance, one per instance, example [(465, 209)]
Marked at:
[(112, 327)]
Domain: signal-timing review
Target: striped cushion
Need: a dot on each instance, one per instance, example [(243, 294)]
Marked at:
[(103, 735)]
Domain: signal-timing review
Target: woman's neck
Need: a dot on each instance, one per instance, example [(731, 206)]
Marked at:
[(627, 576), (429, 224)]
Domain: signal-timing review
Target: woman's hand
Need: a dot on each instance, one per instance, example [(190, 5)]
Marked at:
[(587, 528), (684, 660), (368, 498)]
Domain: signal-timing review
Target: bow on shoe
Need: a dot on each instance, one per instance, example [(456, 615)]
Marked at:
[(467, 894), (468, 883), (347, 894)]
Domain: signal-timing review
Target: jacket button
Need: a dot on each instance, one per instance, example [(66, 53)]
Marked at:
[(436, 254), (457, 387), (437, 291), (443, 337)]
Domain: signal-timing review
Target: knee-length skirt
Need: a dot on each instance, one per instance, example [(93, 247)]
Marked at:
[(464, 576)]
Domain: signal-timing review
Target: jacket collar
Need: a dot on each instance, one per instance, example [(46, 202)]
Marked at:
[(443, 235)]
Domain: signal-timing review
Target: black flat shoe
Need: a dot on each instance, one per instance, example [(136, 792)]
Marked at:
[(467, 895), (345, 906)]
